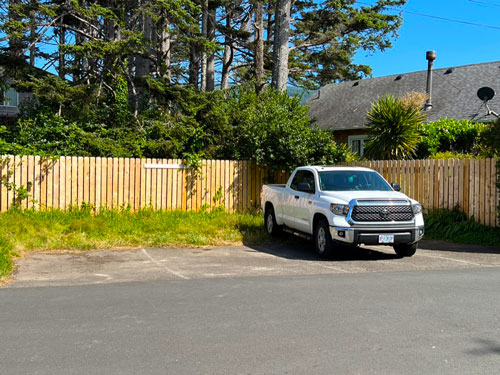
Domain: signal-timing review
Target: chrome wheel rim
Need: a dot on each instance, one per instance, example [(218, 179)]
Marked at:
[(321, 239), (269, 223)]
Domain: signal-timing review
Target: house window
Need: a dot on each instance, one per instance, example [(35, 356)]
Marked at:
[(11, 98), (356, 143)]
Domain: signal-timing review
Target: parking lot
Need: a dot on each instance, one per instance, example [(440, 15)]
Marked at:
[(291, 257)]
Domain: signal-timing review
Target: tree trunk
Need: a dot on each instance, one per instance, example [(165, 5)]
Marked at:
[(270, 21), (143, 65), (164, 48), (194, 65), (210, 83), (62, 42), (280, 47), (228, 54), (204, 33), (259, 43), (33, 35)]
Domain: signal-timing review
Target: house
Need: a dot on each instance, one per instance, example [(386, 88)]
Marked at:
[(10, 97), (342, 107)]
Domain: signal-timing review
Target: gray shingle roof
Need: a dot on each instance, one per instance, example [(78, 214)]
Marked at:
[(343, 106)]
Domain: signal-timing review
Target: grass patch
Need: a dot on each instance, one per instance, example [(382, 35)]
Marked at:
[(5, 257), (79, 229), (453, 225)]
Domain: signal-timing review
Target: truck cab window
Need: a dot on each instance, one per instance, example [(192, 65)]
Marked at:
[(306, 177)]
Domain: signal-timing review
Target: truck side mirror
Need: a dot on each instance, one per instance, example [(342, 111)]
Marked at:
[(396, 186)]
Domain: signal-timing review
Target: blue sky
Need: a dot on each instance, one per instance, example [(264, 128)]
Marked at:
[(455, 43)]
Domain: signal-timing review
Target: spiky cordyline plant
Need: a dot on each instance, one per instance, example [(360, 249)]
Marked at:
[(393, 129)]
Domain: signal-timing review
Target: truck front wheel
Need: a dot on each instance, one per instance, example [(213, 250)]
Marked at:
[(323, 243), (406, 249)]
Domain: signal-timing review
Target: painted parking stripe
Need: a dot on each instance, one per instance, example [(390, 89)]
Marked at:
[(163, 266)]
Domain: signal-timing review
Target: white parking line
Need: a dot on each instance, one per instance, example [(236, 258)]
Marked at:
[(333, 268), (452, 259), (163, 266), (106, 278)]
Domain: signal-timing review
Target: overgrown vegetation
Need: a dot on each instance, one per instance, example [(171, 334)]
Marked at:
[(397, 130), (80, 229), (393, 127), (270, 128), (138, 78), (453, 225), (5, 256), (453, 138)]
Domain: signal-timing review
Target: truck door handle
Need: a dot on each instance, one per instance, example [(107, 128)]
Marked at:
[(297, 197)]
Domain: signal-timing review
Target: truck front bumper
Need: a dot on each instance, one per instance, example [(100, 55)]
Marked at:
[(370, 235)]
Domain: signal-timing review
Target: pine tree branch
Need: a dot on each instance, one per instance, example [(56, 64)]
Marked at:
[(41, 35)]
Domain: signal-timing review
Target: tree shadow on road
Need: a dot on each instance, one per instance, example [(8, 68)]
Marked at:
[(486, 347)]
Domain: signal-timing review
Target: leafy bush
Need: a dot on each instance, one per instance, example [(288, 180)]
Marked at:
[(450, 135), (393, 128), (274, 130), (453, 225), (451, 155), (490, 138)]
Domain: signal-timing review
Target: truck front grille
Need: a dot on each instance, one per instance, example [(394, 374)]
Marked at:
[(382, 213)]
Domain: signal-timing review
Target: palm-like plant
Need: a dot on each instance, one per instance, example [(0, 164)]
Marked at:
[(393, 128)]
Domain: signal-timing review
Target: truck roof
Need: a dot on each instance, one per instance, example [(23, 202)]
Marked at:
[(326, 168)]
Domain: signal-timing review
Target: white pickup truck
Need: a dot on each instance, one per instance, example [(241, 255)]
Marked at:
[(349, 205)]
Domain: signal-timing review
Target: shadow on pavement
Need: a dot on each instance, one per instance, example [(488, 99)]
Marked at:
[(456, 247), (290, 247), (486, 347)]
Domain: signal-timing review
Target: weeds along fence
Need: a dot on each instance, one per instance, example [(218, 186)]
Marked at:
[(40, 183)]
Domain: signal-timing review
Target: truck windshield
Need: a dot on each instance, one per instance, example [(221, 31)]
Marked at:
[(352, 180)]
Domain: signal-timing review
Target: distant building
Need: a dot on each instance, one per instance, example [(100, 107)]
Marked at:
[(342, 107), (11, 100)]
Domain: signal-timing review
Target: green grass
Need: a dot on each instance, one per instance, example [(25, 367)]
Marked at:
[(78, 229), (453, 225)]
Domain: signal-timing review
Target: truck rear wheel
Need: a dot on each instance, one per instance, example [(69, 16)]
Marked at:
[(323, 243), (272, 227), (406, 249)]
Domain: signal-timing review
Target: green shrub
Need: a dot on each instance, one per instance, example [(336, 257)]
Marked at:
[(274, 130), (453, 225), (393, 129), (449, 135), (451, 155)]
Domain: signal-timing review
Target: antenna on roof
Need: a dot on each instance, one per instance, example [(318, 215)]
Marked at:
[(486, 94)]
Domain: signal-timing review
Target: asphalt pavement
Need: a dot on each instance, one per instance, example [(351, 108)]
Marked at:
[(273, 309)]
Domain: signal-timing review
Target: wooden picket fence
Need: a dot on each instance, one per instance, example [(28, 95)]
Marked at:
[(166, 184), (135, 183), (468, 184)]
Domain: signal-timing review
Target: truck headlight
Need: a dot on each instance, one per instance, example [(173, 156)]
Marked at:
[(417, 208), (339, 209)]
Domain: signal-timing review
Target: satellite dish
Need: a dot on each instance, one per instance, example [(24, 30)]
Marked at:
[(485, 93)]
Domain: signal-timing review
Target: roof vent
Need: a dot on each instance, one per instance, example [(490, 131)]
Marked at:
[(398, 78), (356, 83), (449, 71)]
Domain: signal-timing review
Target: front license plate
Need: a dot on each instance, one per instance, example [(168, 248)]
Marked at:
[(386, 238)]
